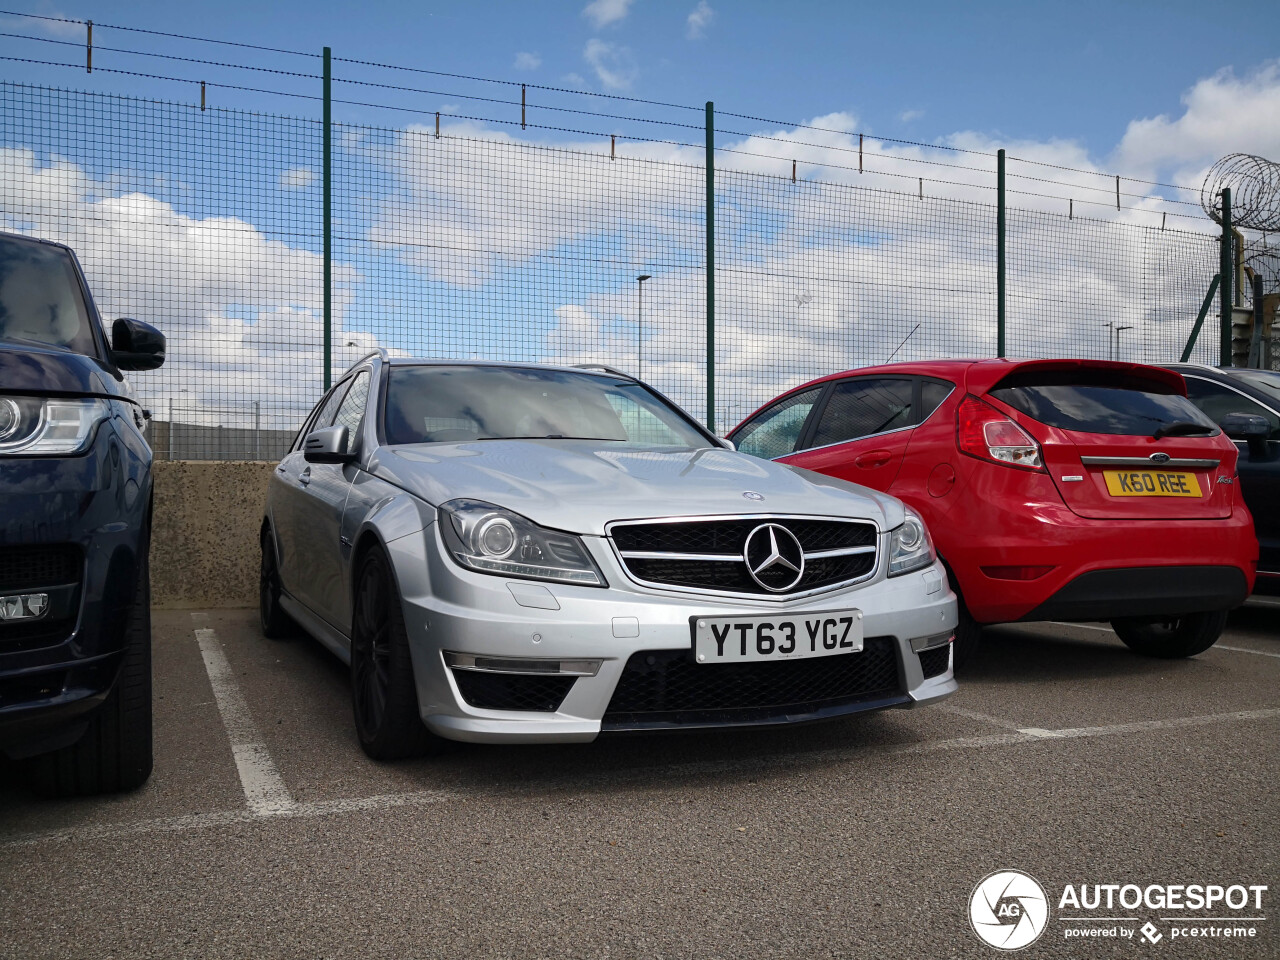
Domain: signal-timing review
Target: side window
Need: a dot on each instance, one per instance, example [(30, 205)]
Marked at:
[(351, 413), (932, 393), (1216, 401), (776, 432), (318, 414), (862, 407)]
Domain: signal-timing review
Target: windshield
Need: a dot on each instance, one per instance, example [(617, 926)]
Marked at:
[(452, 404), (40, 297)]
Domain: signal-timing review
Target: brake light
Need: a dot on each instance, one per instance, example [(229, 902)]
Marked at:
[(984, 432)]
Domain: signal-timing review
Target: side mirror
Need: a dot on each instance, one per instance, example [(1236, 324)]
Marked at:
[(327, 445), (136, 345), (726, 443), (1252, 429)]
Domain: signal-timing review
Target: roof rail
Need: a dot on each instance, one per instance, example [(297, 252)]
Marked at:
[(606, 368), (379, 352)]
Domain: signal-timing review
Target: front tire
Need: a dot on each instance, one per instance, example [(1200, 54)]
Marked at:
[(115, 752), (1171, 638), (384, 697), (276, 624)]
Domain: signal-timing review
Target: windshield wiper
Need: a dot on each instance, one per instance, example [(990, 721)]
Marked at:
[(1183, 428)]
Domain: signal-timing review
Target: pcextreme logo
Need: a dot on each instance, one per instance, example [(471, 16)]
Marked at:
[(1008, 910)]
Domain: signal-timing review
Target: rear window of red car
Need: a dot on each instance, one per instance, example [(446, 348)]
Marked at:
[(1099, 401)]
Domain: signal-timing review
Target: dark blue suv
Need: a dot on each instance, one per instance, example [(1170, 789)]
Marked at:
[(75, 518)]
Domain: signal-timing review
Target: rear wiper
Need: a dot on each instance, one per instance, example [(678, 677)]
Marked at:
[(1183, 428)]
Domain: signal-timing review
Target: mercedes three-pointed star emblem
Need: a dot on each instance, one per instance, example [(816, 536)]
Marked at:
[(774, 557)]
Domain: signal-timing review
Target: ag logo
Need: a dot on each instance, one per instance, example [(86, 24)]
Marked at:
[(1008, 910)]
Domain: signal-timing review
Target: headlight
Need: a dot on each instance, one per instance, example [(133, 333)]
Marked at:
[(34, 426), (909, 546), (490, 539)]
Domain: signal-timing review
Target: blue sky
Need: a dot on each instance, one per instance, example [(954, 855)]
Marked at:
[(1077, 71)]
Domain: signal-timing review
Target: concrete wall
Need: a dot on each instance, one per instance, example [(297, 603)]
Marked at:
[(191, 441), (204, 541)]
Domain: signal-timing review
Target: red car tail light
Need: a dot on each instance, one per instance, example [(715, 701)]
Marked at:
[(984, 432)]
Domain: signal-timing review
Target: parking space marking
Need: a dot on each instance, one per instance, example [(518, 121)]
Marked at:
[(640, 776), (1081, 626), (1261, 653), (975, 715), (264, 789)]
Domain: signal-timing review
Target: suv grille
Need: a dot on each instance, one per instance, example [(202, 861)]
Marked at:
[(667, 686), (41, 565), (710, 554)]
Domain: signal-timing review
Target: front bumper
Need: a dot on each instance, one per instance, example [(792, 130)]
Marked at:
[(91, 511), (453, 611)]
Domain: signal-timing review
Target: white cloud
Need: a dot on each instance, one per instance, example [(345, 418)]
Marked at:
[(699, 19), (242, 313), (1222, 114), (601, 13), (297, 178), (55, 26), (614, 66), (527, 61), (906, 116)]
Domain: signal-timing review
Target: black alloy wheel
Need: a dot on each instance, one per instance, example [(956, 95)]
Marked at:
[(384, 697), (276, 624)]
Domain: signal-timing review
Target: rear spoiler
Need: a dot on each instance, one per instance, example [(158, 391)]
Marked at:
[(985, 376)]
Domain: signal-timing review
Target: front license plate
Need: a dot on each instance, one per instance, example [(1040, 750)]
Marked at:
[(750, 639), (1151, 483)]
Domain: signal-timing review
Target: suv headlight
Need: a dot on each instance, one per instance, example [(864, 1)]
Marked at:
[(909, 546), (489, 539), (36, 426)]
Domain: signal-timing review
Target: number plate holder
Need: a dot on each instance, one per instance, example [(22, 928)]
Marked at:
[(779, 636)]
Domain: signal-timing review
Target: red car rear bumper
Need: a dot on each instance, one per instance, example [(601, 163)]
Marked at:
[(1123, 567)]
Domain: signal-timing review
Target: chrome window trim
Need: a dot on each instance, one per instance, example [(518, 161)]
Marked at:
[(712, 595), (841, 443)]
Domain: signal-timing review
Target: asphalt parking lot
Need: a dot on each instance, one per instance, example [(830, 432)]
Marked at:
[(265, 832)]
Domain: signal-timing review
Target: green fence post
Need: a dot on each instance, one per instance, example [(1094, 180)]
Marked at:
[(711, 266), (1225, 271), (1000, 254), (327, 202), (1204, 312)]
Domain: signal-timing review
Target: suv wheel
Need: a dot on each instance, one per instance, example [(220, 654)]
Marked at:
[(1171, 638), (384, 697), (114, 754), (276, 624)]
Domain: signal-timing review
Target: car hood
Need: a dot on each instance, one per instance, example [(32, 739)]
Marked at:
[(34, 368), (582, 485)]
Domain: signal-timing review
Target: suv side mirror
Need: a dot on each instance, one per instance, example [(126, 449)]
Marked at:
[(1250, 428), (136, 345), (327, 445)]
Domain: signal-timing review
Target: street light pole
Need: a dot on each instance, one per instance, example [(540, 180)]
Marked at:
[(640, 323), (1118, 329)]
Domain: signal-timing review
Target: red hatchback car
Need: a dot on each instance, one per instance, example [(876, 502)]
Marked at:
[(1054, 489)]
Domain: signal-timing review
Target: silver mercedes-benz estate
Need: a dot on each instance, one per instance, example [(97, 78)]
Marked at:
[(511, 552)]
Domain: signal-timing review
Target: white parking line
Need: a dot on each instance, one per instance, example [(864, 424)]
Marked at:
[(975, 715), (1261, 653), (264, 789), (642, 776)]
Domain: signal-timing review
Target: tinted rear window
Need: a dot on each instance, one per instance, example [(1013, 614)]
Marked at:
[(1098, 402)]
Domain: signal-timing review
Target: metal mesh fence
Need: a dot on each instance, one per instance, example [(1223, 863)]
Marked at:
[(453, 240)]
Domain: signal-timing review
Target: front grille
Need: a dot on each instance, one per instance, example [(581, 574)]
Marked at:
[(39, 565), (934, 662), (510, 691), (667, 686), (708, 554)]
